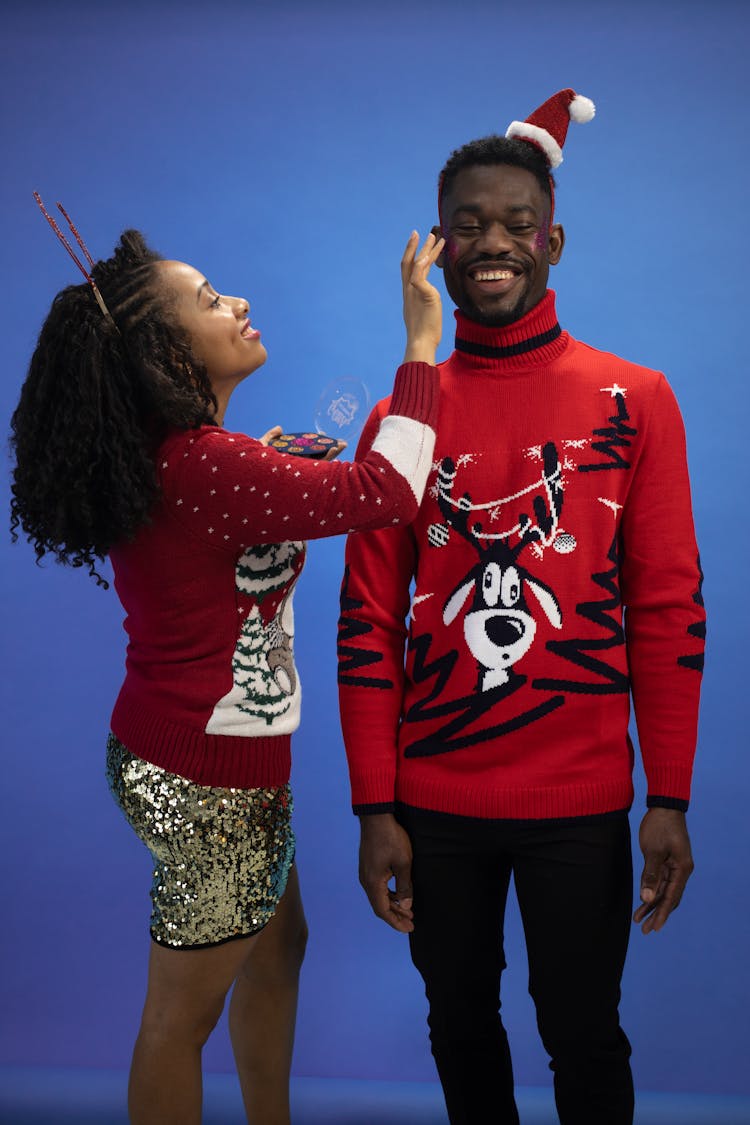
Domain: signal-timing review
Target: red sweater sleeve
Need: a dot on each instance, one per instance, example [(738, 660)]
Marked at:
[(664, 615), (372, 635), (232, 491)]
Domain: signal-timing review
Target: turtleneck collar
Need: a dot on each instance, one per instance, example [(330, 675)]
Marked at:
[(535, 338)]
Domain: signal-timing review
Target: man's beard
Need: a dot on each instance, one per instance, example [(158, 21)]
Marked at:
[(497, 319)]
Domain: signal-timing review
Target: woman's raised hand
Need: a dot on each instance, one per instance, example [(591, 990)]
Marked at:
[(423, 310)]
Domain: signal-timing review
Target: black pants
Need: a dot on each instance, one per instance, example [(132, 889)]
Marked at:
[(573, 880)]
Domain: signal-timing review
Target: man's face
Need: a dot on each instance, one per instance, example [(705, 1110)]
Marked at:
[(499, 244)]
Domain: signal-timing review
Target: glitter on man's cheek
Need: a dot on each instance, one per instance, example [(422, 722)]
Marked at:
[(542, 236), (451, 249)]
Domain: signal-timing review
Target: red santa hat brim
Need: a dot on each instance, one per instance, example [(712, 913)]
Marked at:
[(547, 126), (525, 131)]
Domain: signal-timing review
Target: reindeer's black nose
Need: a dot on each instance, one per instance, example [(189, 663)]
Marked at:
[(503, 631)]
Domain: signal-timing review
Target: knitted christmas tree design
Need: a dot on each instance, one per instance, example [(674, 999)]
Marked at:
[(267, 569), (262, 695), (266, 572), (587, 653)]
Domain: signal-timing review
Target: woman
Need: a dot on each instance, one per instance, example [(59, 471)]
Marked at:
[(120, 450)]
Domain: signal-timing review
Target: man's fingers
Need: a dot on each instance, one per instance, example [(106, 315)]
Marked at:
[(668, 864), (385, 854), (402, 897), (386, 906), (651, 873), (379, 899), (402, 879), (401, 907), (661, 893), (393, 906), (657, 917), (671, 896)]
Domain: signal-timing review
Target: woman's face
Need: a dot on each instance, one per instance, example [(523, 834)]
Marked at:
[(220, 332)]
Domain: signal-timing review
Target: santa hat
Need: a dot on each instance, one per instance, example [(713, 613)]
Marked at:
[(547, 126)]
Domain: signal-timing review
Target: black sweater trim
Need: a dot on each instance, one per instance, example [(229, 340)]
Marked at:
[(374, 810), (667, 803), (530, 345)]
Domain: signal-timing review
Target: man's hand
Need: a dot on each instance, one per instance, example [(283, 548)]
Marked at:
[(385, 853), (668, 865)]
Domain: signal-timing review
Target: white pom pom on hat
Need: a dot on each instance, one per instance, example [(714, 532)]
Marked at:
[(547, 126)]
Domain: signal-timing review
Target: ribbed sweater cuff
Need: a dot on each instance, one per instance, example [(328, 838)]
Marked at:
[(416, 393), (373, 790), (669, 781), (374, 810), (654, 802)]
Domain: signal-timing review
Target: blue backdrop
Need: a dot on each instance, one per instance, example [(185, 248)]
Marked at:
[(287, 150)]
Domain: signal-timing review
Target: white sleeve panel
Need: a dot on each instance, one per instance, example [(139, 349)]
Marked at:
[(409, 446)]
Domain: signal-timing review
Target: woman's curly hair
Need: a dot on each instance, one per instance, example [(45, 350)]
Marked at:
[(99, 397)]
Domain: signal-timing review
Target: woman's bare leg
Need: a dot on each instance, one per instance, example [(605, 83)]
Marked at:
[(263, 1010), (184, 999)]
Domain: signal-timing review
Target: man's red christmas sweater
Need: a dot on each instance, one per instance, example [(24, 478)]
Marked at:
[(555, 573)]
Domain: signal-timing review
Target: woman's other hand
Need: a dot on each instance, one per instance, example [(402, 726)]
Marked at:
[(423, 310), (276, 431), (269, 435)]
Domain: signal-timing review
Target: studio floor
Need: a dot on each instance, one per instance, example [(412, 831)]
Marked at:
[(30, 1096)]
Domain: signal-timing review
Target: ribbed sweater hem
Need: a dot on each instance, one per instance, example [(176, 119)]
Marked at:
[(207, 759), (540, 803)]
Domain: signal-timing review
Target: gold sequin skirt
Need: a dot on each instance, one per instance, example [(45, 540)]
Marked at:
[(222, 856)]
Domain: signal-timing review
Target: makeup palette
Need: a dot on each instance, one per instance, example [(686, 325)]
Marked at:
[(304, 444)]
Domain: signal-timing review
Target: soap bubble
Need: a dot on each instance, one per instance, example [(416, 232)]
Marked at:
[(342, 409)]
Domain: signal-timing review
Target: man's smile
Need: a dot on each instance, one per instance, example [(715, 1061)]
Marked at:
[(494, 279), (492, 275)]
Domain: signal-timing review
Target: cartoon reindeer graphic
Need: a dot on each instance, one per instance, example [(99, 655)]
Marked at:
[(499, 627)]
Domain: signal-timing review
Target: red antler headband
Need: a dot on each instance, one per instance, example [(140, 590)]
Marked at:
[(74, 256)]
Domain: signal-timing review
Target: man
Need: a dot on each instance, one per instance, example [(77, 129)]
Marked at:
[(497, 744)]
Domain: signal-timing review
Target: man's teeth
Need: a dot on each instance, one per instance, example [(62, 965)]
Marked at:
[(493, 275)]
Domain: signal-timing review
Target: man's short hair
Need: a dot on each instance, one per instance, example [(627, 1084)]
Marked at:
[(496, 149)]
